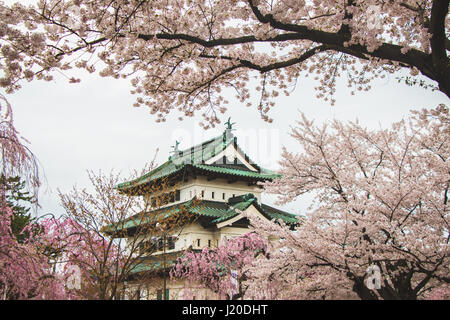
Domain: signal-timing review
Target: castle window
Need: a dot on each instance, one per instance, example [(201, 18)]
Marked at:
[(160, 244), (223, 196), (203, 193), (209, 243), (198, 242), (171, 243), (148, 246), (212, 195), (165, 198), (174, 196)]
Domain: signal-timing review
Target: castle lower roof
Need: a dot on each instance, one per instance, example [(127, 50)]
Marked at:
[(210, 212)]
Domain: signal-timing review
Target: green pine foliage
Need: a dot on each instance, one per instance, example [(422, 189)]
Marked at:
[(20, 201)]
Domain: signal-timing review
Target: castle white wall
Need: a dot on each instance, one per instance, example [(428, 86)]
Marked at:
[(220, 187)]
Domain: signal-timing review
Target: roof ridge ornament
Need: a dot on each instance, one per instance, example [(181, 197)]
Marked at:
[(175, 147), (229, 124), (175, 150), (228, 134)]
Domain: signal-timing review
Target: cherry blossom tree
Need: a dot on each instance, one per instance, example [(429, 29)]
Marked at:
[(53, 262), (223, 269), (16, 158), (107, 253), (36, 256), (379, 224), (24, 270), (440, 293), (180, 55), (84, 255), (103, 260)]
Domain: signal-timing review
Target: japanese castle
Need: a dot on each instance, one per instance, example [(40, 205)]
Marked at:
[(213, 182)]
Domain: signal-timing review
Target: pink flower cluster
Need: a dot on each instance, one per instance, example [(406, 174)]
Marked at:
[(213, 267)]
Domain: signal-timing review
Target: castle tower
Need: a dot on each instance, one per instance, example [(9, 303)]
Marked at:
[(215, 182)]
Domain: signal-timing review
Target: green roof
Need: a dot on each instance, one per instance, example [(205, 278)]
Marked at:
[(194, 158), (241, 203), (149, 217), (156, 262), (213, 211)]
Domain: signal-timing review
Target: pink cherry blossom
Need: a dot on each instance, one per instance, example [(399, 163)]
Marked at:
[(181, 55), (213, 268), (381, 202)]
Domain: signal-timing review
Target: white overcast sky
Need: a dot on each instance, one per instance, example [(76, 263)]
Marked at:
[(92, 125)]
